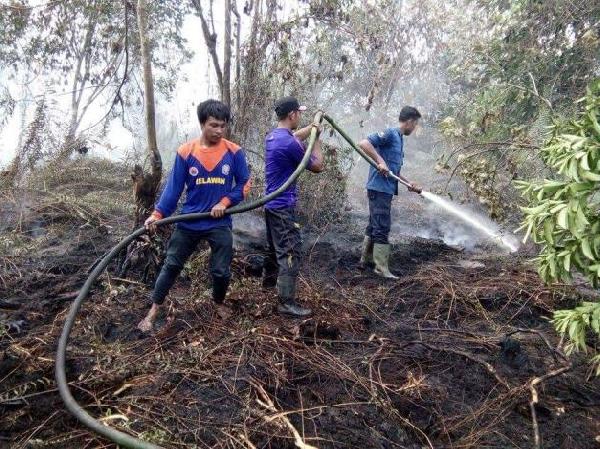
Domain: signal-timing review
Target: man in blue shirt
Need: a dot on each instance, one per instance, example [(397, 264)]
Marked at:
[(283, 153), (214, 173), (387, 149)]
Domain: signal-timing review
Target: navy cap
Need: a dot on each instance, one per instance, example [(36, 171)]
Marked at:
[(285, 105)]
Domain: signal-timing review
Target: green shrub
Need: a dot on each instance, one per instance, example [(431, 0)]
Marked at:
[(563, 214)]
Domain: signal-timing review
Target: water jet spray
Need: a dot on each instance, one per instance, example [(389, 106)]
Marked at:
[(479, 223)]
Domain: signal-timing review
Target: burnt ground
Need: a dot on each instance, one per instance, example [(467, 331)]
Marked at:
[(444, 357)]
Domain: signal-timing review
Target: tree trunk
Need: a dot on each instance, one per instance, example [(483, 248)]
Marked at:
[(146, 185), (210, 38), (80, 78), (254, 94), (241, 123), (238, 55), (226, 91), (145, 252)]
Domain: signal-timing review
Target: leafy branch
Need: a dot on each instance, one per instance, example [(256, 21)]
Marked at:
[(563, 215)]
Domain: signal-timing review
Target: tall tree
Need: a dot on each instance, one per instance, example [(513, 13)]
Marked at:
[(146, 185), (73, 36), (238, 46), (226, 89), (85, 50), (210, 38)]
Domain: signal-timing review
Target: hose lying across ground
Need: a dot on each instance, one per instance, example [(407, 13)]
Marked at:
[(110, 433)]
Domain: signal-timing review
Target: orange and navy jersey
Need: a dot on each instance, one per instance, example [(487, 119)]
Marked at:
[(210, 175)]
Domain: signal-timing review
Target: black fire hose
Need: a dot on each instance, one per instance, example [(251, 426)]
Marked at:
[(116, 436)]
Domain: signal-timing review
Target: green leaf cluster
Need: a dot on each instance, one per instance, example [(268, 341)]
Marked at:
[(562, 214), (575, 324)]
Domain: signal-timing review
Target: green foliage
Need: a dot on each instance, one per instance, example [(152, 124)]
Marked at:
[(563, 214), (575, 324), (531, 60), (13, 22), (482, 117), (539, 50)]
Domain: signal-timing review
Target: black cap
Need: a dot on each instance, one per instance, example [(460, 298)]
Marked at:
[(285, 105)]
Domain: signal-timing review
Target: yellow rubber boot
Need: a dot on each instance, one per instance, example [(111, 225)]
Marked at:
[(381, 257), (366, 257)]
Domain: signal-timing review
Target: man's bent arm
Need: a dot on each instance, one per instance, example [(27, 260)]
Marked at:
[(303, 133), (167, 203), (371, 151), (317, 162)]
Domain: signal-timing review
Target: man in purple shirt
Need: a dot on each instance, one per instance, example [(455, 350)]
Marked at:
[(283, 153)]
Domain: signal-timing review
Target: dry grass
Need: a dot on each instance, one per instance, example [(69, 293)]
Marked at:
[(412, 363)]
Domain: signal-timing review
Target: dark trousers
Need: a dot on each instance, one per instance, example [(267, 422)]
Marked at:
[(380, 220), (285, 250), (181, 246)]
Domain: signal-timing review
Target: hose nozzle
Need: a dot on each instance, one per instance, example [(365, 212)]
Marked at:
[(404, 183)]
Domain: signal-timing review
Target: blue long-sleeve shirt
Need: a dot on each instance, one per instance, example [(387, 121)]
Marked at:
[(210, 175)]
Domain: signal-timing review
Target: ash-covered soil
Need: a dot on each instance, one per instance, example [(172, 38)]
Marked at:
[(444, 357)]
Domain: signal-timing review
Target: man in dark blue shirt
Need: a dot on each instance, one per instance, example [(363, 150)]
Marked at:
[(387, 149), (283, 153)]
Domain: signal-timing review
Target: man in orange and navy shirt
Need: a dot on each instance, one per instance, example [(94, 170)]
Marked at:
[(215, 174)]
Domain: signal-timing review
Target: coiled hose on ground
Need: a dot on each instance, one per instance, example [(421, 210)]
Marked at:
[(114, 435)]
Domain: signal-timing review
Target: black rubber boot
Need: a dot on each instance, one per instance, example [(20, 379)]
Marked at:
[(269, 279), (293, 309), (219, 289), (286, 289)]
